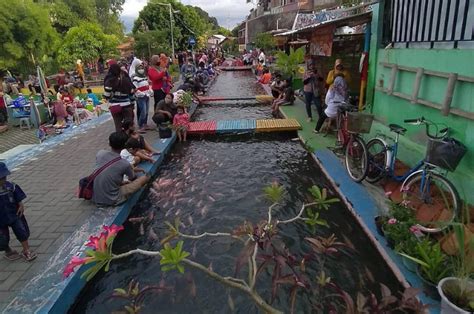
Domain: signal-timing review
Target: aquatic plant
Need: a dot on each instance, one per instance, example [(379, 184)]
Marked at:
[(136, 296), (263, 252)]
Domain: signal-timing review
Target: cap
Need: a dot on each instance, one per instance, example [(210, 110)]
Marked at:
[(4, 170)]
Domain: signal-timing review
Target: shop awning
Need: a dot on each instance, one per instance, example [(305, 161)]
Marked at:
[(351, 21)]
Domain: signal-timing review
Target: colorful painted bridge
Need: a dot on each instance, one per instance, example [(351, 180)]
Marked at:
[(243, 126)]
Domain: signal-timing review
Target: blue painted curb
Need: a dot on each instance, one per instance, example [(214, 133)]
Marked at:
[(365, 209)]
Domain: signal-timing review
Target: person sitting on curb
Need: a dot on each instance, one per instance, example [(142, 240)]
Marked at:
[(12, 216), (165, 110), (109, 189)]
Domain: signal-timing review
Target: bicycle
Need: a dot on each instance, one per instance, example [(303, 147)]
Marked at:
[(349, 125), (424, 184)]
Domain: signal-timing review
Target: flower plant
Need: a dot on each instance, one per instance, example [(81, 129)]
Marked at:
[(263, 252)]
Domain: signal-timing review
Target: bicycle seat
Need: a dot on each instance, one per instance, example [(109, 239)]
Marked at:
[(343, 107), (397, 129)]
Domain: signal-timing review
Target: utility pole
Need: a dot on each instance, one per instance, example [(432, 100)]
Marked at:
[(171, 25)]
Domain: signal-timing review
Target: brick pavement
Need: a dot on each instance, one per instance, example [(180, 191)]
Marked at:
[(52, 210), (14, 136)]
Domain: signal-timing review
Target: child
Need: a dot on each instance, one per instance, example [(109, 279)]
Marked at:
[(93, 96), (181, 123), (285, 98), (145, 147), (129, 153), (11, 215), (266, 77)]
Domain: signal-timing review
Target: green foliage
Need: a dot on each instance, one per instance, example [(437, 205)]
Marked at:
[(274, 192), (431, 259), (171, 258), (26, 34), (86, 42), (313, 220), (187, 22), (460, 293), (151, 43), (321, 199), (265, 41), (288, 64)]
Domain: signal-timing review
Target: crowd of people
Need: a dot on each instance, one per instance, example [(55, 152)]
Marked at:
[(326, 94)]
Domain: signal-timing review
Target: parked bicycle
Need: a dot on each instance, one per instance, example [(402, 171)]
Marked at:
[(349, 125), (424, 186)]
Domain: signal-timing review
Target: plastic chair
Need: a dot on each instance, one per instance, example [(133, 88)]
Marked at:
[(25, 123)]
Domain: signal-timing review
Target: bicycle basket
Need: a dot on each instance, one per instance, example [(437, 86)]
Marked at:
[(359, 122), (445, 153)]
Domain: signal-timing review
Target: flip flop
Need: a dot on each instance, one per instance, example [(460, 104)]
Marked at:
[(12, 256), (28, 256)]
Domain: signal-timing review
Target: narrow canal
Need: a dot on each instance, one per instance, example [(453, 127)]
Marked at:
[(214, 184)]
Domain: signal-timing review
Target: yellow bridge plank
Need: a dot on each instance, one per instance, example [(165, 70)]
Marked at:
[(275, 125)]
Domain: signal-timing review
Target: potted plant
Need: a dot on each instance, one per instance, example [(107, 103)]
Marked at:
[(432, 264), (288, 65), (457, 293)]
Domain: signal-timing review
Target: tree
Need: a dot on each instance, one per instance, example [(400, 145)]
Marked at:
[(86, 42), (187, 22), (151, 43), (26, 34), (265, 41), (210, 19)]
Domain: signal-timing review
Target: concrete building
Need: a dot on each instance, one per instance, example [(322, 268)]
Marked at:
[(215, 41), (421, 56), (272, 15)]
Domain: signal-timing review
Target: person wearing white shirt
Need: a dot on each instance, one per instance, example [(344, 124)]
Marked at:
[(336, 95), (262, 57)]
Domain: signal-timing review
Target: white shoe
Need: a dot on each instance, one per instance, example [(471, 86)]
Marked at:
[(309, 120)]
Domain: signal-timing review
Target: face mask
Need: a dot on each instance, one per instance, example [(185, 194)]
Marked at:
[(141, 72)]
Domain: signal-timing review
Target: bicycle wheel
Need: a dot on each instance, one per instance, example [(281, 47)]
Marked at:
[(434, 199), (377, 159), (356, 158)]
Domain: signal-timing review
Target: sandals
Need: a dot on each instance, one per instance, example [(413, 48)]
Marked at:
[(29, 256), (12, 256)]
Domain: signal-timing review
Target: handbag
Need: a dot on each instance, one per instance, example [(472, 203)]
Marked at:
[(115, 109), (86, 184)]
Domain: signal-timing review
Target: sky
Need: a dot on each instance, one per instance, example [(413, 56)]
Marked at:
[(228, 12)]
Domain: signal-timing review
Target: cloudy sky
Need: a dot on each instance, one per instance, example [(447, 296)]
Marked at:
[(227, 12)]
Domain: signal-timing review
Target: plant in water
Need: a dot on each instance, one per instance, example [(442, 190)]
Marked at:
[(135, 296), (171, 258), (263, 252), (407, 302)]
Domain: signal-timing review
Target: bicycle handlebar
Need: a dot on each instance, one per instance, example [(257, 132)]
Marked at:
[(415, 121), (438, 134)]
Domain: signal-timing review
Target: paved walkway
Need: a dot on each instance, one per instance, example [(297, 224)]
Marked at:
[(52, 210), (14, 136)]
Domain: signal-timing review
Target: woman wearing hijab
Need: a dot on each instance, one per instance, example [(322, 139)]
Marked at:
[(336, 95), (119, 92), (338, 71)]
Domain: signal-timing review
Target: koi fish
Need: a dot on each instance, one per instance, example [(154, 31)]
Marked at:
[(141, 230), (204, 211), (194, 251), (212, 199), (152, 235), (210, 267), (178, 211), (136, 219), (230, 301), (190, 220)]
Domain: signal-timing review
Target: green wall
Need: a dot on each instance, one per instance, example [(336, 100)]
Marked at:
[(392, 109)]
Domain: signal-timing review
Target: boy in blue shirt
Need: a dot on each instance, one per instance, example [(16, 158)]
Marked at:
[(93, 96), (11, 215)]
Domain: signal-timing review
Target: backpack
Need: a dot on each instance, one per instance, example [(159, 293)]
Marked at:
[(86, 184)]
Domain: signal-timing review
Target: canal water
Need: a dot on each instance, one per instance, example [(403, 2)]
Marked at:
[(215, 184)]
